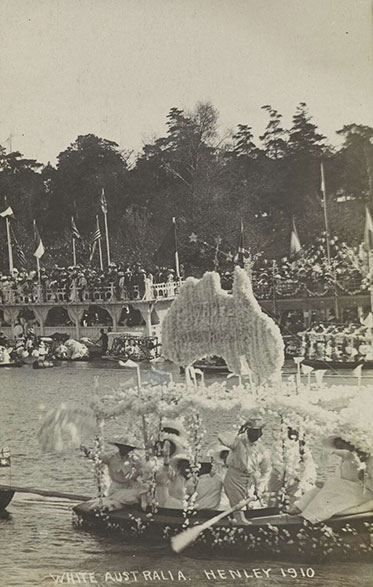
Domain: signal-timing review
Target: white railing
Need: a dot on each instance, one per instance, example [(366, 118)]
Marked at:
[(75, 295), (91, 332)]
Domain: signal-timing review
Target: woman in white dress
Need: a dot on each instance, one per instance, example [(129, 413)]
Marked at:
[(350, 492)]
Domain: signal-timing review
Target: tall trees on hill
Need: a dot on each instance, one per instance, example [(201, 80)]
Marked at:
[(208, 182)]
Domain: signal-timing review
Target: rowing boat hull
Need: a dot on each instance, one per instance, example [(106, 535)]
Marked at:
[(342, 538), (337, 364)]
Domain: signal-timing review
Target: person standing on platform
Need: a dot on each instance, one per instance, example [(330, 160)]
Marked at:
[(248, 465)]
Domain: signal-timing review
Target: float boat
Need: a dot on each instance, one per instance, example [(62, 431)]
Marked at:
[(269, 534)]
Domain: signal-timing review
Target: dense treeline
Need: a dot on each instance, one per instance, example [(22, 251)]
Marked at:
[(208, 182)]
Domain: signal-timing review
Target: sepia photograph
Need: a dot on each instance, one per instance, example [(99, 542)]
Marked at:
[(186, 250)]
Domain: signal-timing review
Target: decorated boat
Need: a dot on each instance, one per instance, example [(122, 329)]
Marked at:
[(270, 534), (288, 423), (134, 346)]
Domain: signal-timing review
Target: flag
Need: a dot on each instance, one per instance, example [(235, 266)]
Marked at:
[(7, 213), (21, 258), (103, 201), (368, 231), (95, 236), (5, 457), (357, 371), (322, 183), (130, 364), (74, 229), (295, 246), (244, 367), (239, 257), (166, 253), (39, 247)]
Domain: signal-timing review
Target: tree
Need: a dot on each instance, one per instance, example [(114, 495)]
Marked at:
[(356, 156), (83, 169), (274, 137)]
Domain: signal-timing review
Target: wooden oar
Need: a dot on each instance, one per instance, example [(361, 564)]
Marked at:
[(45, 493), (183, 540)]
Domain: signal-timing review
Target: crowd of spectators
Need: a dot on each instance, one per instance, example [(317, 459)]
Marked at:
[(309, 275), (78, 284), (338, 342)]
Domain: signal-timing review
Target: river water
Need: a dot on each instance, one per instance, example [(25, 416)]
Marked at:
[(40, 546)]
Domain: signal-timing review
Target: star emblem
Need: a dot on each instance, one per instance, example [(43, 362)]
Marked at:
[(193, 238), (229, 256)]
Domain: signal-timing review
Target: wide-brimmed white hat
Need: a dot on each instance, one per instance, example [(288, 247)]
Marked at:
[(216, 452)]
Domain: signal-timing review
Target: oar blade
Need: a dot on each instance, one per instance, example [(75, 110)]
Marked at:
[(181, 541)]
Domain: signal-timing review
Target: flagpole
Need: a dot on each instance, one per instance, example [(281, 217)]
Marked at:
[(177, 267), (323, 190), (74, 253), (37, 258), (99, 245), (107, 238), (10, 250)]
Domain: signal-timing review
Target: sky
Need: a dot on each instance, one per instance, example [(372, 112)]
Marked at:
[(114, 68)]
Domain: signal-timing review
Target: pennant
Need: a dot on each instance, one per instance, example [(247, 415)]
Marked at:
[(295, 246), (8, 213), (74, 230), (130, 364), (306, 369), (5, 460), (103, 202), (39, 247), (368, 230), (319, 376), (244, 367), (357, 371)]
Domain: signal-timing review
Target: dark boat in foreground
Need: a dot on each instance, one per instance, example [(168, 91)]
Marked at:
[(270, 534), (334, 365), (6, 496)]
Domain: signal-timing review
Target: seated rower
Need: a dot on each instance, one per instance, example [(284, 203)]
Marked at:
[(124, 468), (248, 466), (350, 492), (211, 479)]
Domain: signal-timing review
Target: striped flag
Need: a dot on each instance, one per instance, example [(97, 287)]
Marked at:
[(92, 241), (103, 202), (295, 246), (74, 229), (368, 231), (39, 247), (21, 258), (94, 237)]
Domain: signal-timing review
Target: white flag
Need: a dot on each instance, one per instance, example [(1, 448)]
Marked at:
[(130, 364), (244, 367), (357, 372), (7, 212), (319, 375)]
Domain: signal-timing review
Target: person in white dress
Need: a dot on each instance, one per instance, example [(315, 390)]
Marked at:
[(350, 492), (248, 466)]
